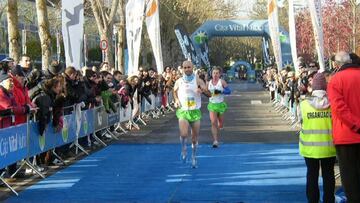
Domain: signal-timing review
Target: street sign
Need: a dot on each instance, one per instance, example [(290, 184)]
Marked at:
[(103, 45)]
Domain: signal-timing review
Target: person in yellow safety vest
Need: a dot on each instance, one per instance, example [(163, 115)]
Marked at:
[(316, 142)]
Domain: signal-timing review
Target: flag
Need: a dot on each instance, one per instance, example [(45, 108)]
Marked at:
[(134, 19), (315, 13), (72, 13), (273, 21), (186, 44), (153, 28), (292, 33)]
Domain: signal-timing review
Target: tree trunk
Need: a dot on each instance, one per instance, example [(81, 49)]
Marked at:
[(14, 37), (44, 33), (105, 22), (121, 38), (354, 8)]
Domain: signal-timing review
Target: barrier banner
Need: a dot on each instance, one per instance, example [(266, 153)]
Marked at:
[(100, 118), (145, 105), (87, 123), (153, 102), (51, 139), (114, 118), (125, 114), (158, 100), (13, 145)]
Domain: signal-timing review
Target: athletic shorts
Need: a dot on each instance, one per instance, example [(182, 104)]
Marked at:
[(217, 107), (189, 115)]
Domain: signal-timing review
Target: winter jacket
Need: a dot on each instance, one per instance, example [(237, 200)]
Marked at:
[(49, 104), (8, 106), (22, 98), (344, 91), (90, 90)]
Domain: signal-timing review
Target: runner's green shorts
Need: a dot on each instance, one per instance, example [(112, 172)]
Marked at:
[(217, 107), (189, 115)]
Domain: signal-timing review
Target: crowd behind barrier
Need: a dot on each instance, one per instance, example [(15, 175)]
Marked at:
[(65, 109)]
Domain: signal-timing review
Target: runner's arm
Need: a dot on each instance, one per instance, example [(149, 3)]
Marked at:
[(227, 89), (176, 98), (203, 88)]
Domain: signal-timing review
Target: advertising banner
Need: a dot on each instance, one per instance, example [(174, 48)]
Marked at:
[(13, 145), (72, 13), (51, 138)]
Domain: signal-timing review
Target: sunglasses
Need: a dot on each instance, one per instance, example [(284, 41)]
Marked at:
[(312, 66)]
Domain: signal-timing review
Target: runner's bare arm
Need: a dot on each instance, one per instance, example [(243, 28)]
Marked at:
[(203, 88), (227, 89), (176, 98)]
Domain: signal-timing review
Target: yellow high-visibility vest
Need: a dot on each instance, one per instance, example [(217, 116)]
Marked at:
[(315, 139)]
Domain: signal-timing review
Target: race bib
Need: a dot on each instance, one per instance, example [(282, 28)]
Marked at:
[(190, 102)]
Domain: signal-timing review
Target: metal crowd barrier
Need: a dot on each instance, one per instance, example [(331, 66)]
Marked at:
[(289, 112)]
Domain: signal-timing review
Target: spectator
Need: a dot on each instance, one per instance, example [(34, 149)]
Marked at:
[(50, 100), (8, 107), (25, 63), (8, 103), (104, 66), (6, 65), (344, 99), (20, 92), (145, 89), (106, 92), (91, 89), (117, 77), (72, 92), (316, 143)]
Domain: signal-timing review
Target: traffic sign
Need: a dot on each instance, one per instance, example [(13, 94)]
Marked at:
[(103, 44)]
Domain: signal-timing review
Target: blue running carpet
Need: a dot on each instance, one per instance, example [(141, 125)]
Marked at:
[(155, 173)]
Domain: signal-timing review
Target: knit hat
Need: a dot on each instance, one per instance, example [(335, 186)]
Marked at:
[(56, 68), (319, 82), (7, 59)]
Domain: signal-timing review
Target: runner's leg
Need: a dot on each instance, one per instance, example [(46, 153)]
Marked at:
[(184, 128), (195, 128), (214, 127)]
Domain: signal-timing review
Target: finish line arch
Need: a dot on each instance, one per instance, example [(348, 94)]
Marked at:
[(238, 28)]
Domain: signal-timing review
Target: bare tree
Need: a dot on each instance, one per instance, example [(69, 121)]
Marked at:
[(44, 33), (12, 18), (105, 20), (354, 5)]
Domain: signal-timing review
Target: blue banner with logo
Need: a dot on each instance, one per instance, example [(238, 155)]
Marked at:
[(13, 146), (51, 138), (101, 118), (186, 44), (87, 123)]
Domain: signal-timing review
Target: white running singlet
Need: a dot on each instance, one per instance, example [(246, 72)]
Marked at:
[(216, 98), (188, 97)]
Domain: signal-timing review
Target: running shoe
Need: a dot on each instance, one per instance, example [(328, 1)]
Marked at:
[(215, 144), (183, 155), (193, 162)]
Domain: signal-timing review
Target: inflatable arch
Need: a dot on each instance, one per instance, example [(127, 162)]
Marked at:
[(238, 28)]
